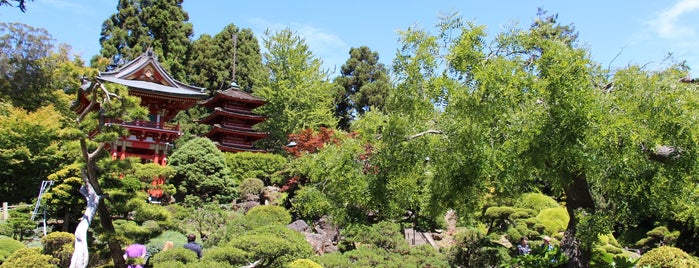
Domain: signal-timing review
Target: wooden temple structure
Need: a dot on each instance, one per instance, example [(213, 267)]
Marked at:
[(164, 97), (232, 120)]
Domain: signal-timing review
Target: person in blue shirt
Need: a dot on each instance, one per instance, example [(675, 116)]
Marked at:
[(523, 247), (193, 245), (546, 246)]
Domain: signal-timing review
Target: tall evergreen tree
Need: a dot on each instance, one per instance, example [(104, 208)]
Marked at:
[(298, 94), (362, 86), (139, 24), (211, 60)]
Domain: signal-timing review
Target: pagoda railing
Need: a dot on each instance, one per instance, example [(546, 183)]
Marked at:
[(149, 124)]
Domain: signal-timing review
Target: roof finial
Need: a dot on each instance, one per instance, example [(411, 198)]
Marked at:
[(235, 51)]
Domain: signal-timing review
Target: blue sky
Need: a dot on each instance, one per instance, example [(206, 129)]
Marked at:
[(617, 33)]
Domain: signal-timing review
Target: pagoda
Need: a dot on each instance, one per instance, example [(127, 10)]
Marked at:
[(164, 97), (232, 120)]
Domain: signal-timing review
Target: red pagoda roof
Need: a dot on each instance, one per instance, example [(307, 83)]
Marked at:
[(246, 133), (230, 148), (219, 113), (234, 93), (145, 74)]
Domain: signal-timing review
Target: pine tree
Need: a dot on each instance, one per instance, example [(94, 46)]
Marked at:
[(138, 25)]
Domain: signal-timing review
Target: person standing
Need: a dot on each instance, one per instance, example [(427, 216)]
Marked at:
[(193, 245), (523, 247), (546, 246)]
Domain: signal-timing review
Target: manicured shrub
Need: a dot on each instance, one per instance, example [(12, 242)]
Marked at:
[(536, 201), (275, 245), (252, 186), (667, 257), (29, 258), (554, 220), (60, 246), (264, 215), (333, 260), (229, 255), (8, 246), (170, 264), (181, 255), (304, 263)]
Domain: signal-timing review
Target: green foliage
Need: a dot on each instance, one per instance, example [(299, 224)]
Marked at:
[(200, 170), (554, 219), (19, 225), (63, 198), (333, 260), (384, 235), (298, 94), (171, 264), (304, 263), (210, 219), (156, 244), (474, 249), (536, 201), (8, 246), (273, 244), (60, 245), (266, 167), (29, 258), (251, 186), (363, 85), (137, 25), (178, 254), (310, 204), (658, 236), (667, 256), (30, 149), (232, 256), (267, 215), (211, 60), (540, 257)]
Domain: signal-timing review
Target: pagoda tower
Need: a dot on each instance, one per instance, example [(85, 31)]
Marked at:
[(164, 97), (232, 120)]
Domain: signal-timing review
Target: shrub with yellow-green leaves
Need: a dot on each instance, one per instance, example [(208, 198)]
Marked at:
[(8, 246), (30, 258), (667, 257), (60, 246)]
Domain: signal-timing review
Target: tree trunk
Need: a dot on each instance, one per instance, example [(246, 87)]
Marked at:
[(578, 196), (80, 254), (115, 249)]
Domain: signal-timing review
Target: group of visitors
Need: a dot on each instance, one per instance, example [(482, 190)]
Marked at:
[(523, 247), (135, 254)]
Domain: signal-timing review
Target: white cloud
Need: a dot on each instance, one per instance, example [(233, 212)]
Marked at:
[(668, 25)]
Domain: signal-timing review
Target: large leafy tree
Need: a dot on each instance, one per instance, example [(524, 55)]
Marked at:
[(211, 62), (362, 85), (298, 95), (23, 65), (162, 25), (201, 171), (30, 150)]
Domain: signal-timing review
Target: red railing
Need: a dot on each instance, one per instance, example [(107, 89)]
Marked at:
[(150, 124)]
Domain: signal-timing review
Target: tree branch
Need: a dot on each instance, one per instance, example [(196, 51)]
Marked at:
[(429, 131)]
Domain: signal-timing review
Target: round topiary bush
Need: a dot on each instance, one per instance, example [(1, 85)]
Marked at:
[(667, 257), (8, 246), (181, 255), (252, 186), (536, 201), (265, 215), (304, 263), (60, 246), (227, 254)]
